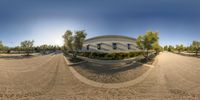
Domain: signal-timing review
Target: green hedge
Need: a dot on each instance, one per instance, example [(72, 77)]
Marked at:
[(110, 56)]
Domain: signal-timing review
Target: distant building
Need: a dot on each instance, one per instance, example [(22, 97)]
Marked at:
[(110, 43)]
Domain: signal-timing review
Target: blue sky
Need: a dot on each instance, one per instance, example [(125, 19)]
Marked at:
[(45, 21)]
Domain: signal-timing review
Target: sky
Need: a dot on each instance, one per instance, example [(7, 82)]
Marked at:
[(45, 21)]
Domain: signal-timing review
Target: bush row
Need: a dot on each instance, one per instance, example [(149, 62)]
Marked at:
[(110, 56)]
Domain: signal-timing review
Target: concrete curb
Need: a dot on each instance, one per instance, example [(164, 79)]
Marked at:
[(111, 62), (71, 64), (110, 85)]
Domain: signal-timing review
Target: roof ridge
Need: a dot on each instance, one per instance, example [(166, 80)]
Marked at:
[(107, 36)]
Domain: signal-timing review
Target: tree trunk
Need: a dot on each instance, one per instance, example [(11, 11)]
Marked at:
[(147, 56), (74, 54), (27, 53), (157, 51), (196, 52)]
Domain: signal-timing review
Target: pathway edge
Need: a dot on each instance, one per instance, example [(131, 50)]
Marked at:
[(109, 85)]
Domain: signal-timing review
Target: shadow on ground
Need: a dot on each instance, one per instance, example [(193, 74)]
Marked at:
[(105, 69), (110, 74)]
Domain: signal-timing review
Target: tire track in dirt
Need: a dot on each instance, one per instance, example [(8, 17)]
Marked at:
[(44, 82)]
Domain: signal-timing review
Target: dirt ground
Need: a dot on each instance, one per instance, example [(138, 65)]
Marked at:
[(174, 77)]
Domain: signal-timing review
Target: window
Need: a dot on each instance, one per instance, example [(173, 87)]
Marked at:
[(99, 46), (114, 46), (88, 47), (129, 46)]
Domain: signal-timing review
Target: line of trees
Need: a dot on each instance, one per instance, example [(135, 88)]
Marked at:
[(193, 48), (73, 42), (3, 47), (28, 47)]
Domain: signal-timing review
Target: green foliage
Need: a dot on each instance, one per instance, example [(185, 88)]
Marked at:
[(27, 46), (44, 48), (68, 39), (179, 48), (73, 43), (1, 45), (140, 42), (166, 48), (196, 47), (17, 48), (189, 49), (147, 42), (79, 39), (157, 47), (171, 48), (109, 56)]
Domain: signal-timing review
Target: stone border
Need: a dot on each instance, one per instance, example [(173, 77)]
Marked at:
[(111, 62), (71, 64), (109, 85)]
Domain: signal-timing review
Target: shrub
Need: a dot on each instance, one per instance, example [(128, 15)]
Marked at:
[(110, 56)]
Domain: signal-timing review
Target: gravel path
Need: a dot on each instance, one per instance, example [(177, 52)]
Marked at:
[(109, 74), (174, 77)]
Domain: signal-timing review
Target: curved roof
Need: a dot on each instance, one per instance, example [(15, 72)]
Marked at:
[(110, 36)]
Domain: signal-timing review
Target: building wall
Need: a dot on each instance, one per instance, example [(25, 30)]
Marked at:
[(107, 44)]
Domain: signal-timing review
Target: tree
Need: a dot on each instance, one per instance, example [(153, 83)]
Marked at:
[(157, 47), (170, 48), (68, 39), (79, 39), (179, 48), (1, 46), (189, 48), (74, 43), (17, 48), (145, 42), (166, 48), (27, 46), (196, 47), (4, 48), (44, 48)]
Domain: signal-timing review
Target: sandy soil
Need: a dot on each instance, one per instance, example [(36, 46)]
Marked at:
[(174, 77), (111, 74), (18, 56)]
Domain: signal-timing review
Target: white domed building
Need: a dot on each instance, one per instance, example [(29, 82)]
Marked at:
[(110, 44)]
